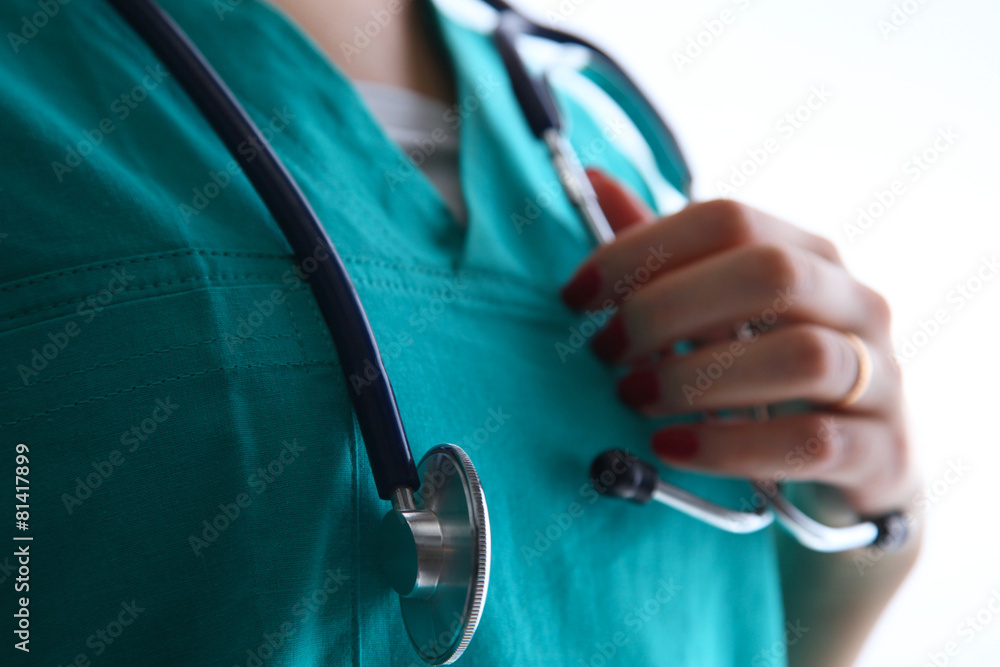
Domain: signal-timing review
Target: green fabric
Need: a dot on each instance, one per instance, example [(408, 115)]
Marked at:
[(183, 369)]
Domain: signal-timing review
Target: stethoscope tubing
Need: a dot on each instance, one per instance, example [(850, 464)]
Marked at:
[(374, 402), (539, 107)]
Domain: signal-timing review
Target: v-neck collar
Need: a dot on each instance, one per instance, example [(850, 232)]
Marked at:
[(506, 175), (381, 144)]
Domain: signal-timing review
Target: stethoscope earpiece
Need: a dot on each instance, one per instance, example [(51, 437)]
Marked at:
[(619, 474)]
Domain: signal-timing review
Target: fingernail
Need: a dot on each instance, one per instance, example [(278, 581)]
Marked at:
[(611, 343), (593, 173), (675, 444), (639, 389), (584, 286)]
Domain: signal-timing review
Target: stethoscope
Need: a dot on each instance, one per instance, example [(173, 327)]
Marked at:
[(435, 541)]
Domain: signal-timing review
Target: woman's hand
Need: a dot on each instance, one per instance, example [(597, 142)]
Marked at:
[(699, 276)]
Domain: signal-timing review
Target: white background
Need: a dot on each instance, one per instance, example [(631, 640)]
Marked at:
[(891, 95)]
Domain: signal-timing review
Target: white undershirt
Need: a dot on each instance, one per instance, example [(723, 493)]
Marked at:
[(421, 126)]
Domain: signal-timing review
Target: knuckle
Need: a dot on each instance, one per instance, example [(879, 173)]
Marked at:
[(877, 307), (820, 441), (745, 459), (779, 267), (660, 318), (733, 223), (828, 249), (813, 355)]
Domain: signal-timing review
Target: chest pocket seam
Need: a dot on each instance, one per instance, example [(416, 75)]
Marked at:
[(90, 399)]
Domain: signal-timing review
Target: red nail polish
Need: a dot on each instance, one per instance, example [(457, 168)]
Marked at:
[(675, 444), (639, 389), (583, 288), (611, 343), (596, 174)]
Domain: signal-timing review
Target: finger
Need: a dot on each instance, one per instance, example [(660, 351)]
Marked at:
[(764, 284), (643, 252), (803, 361), (622, 208), (855, 453)]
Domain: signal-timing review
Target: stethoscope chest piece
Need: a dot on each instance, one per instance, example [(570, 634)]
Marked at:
[(435, 551)]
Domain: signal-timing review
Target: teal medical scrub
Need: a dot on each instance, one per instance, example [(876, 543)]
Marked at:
[(199, 492)]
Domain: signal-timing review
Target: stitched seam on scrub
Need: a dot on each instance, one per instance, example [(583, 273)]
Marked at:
[(298, 334), (164, 381), (326, 333), (481, 273), (268, 280), (154, 353), (84, 268), (432, 271), (437, 293)]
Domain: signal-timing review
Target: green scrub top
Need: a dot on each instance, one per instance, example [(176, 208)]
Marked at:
[(199, 491)]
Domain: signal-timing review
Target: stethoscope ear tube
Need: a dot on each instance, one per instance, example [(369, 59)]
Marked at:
[(532, 92), (887, 532), (604, 72), (374, 402)]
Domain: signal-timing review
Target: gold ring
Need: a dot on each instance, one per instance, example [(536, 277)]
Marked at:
[(864, 372)]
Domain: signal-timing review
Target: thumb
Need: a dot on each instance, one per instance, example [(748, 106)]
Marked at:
[(622, 207)]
